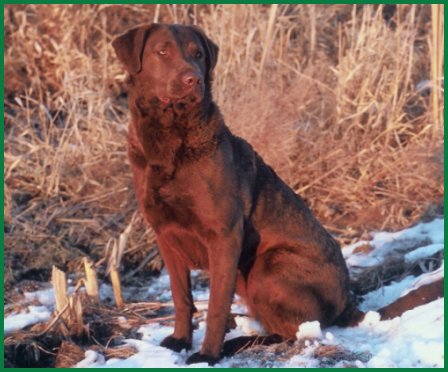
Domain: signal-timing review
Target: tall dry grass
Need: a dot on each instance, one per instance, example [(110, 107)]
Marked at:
[(345, 101)]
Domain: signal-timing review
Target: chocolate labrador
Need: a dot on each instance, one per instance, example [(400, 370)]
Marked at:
[(216, 205)]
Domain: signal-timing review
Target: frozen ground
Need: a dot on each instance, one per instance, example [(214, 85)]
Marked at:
[(416, 339)]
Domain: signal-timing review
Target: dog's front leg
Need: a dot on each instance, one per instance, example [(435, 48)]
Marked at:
[(183, 301), (223, 261)]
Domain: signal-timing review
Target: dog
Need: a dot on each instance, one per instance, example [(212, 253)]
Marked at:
[(214, 204)]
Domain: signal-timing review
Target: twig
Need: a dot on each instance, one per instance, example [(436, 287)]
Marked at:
[(54, 321), (149, 257)]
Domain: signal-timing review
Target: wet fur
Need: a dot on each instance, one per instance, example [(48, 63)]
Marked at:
[(216, 205)]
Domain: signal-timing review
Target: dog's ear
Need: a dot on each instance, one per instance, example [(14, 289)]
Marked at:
[(129, 47), (211, 49)]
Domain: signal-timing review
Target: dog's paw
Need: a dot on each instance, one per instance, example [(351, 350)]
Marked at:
[(176, 344), (202, 358)]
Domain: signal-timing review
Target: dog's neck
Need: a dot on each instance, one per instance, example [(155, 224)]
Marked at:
[(179, 130)]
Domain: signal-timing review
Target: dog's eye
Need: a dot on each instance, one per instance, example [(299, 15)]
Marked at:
[(162, 52), (199, 54)]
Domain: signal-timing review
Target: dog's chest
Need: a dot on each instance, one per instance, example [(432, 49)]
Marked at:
[(174, 211), (180, 171), (178, 197), (184, 244)]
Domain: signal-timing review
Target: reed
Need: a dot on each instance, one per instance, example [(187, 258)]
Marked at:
[(330, 95)]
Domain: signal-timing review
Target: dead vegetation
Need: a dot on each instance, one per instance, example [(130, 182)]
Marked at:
[(44, 345), (393, 268), (82, 321), (345, 101), (326, 356)]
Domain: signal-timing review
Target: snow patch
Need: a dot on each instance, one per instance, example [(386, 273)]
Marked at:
[(35, 314), (427, 238), (92, 359), (309, 330), (416, 339), (45, 296), (423, 252)]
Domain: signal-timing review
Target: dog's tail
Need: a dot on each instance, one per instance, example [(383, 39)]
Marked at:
[(420, 296), (350, 317)]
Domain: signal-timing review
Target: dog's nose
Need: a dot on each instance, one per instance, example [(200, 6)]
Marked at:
[(190, 79)]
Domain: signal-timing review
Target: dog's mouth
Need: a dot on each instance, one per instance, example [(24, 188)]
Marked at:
[(190, 99), (177, 94), (165, 100)]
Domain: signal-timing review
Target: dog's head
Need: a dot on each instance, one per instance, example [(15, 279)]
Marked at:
[(170, 62)]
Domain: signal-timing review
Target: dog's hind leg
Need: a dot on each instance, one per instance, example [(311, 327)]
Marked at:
[(285, 289)]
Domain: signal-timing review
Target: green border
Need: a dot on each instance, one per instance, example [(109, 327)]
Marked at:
[(445, 198), (225, 2), (2, 184), (181, 2)]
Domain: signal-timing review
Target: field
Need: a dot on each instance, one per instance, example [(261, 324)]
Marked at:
[(344, 101)]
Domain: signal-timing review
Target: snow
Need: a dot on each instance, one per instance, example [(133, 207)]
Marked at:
[(45, 296), (385, 295), (427, 278), (309, 330), (92, 359), (247, 327), (426, 236), (34, 314), (415, 339), (423, 252), (147, 356)]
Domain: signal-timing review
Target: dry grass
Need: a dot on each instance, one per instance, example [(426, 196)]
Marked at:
[(326, 93)]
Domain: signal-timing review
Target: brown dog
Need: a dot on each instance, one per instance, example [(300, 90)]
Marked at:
[(215, 205)]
